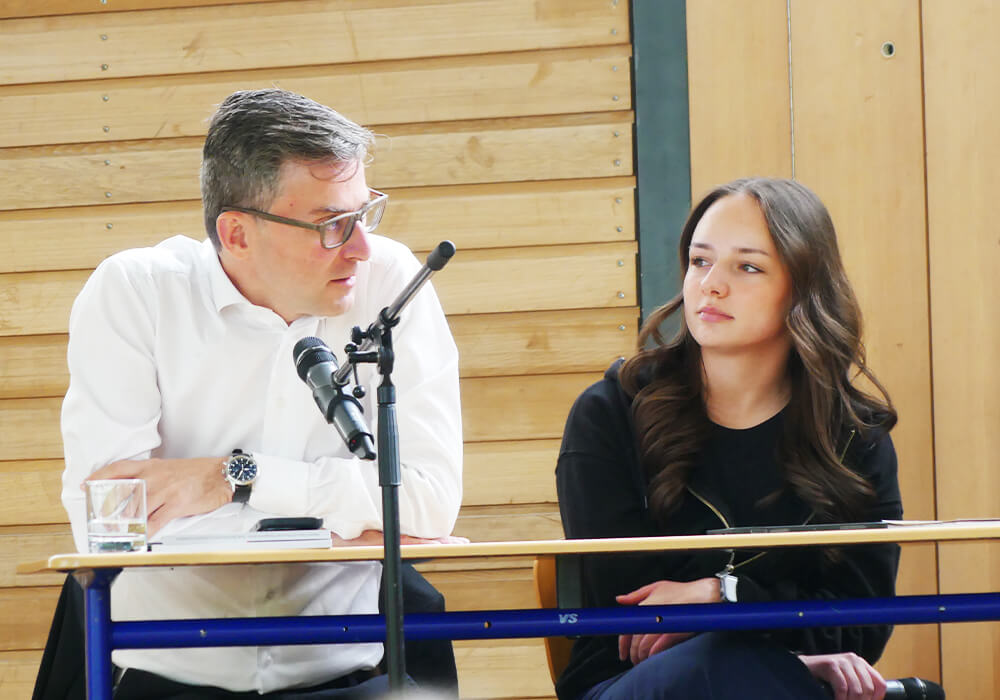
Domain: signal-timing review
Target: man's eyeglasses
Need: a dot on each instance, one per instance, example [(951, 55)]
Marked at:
[(335, 231)]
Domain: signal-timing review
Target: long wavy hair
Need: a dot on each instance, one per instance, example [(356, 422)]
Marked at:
[(824, 323)]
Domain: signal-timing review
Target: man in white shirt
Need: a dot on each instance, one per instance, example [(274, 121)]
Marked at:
[(182, 353)]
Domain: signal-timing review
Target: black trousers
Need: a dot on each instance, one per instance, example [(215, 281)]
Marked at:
[(715, 666), (62, 675)]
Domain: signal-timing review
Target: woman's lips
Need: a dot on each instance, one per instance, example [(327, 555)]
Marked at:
[(713, 315)]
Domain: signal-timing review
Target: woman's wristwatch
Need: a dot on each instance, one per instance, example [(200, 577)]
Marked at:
[(727, 586)]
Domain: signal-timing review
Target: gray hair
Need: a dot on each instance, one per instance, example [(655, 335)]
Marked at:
[(254, 133)]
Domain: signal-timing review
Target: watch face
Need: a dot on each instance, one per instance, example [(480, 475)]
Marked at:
[(242, 469)]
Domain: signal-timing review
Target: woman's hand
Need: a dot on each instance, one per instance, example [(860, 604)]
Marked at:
[(848, 675), (639, 647)]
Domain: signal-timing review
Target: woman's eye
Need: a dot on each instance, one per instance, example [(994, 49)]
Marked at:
[(747, 267), (699, 262)]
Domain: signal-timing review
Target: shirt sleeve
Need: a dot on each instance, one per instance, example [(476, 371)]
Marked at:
[(112, 406), (346, 492)]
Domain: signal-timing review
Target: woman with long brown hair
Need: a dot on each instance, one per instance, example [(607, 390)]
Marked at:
[(750, 415)]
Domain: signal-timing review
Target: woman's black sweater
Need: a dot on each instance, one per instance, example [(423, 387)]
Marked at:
[(602, 493)]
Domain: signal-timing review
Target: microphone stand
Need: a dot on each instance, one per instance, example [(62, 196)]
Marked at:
[(374, 345)]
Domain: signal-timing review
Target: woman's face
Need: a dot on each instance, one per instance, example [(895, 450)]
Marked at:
[(737, 291)]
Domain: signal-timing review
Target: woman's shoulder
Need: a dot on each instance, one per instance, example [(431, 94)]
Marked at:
[(605, 394), (602, 408)]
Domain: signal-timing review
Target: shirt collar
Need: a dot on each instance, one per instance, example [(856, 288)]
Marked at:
[(224, 292)]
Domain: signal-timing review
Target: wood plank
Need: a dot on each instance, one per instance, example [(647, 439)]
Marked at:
[(518, 408), (490, 216), (17, 673), (494, 409), (29, 429), (38, 485), (591, 79), (27, 616), (33, 366), (240, 37), (17, 548), (521, 471), (513, 668), (38, 302), (837, 60), (509, 588), (33, 8), (960, 53), (542, 278), (529, 148), (540, 342), (496, 473), (738, 91), (487, 281), (513, 523)]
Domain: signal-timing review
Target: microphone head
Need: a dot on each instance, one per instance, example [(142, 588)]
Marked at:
[(440, 256), (308, 353), (913, 689)]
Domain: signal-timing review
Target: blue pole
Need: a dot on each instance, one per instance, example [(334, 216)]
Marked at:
[(96, 586), (555, 622)]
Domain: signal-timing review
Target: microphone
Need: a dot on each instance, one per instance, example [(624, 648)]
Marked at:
[(316, 363), (913, 689)]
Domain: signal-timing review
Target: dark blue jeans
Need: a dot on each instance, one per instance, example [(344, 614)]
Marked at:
[(715, 666)]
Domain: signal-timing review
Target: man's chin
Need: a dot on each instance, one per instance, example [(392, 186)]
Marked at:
[(339, 306)]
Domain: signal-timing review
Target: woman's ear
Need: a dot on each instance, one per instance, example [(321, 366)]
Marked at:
[(232, 229)]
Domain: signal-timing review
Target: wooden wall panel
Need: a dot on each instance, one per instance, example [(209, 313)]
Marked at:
[(475, 216), (496, 473), (33, 8), (38, 484), (849, 101), (17, 672), (239, 37), (962, 97), (505, 126), (487, 281), (543, 148), (496, 344), (494, 409), (393, 92), (738, 95)]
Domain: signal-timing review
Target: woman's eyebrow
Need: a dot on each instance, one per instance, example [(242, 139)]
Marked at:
[(741, 251)]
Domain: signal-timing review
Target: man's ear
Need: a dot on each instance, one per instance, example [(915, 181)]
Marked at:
[(231, 227)]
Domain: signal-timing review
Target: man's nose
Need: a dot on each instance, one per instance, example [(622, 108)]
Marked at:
[(358, 246)]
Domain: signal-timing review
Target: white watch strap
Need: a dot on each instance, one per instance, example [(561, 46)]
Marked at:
[(727, 587)]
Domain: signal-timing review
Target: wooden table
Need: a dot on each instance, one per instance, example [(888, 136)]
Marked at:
[(96, 572)]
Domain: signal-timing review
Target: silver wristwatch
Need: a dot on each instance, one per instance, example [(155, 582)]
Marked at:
[(240, 470), (727, 586)]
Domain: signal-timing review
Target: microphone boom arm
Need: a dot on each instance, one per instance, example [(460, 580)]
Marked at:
[(389, 316)]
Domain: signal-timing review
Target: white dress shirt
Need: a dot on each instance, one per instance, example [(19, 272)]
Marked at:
[(167, 359)]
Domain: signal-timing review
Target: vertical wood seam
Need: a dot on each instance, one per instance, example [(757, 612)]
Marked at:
[(791, 88)]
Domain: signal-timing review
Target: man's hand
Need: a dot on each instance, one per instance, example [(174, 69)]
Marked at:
[(374, 538), (639, 647), (850, 676), (174, 487)]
